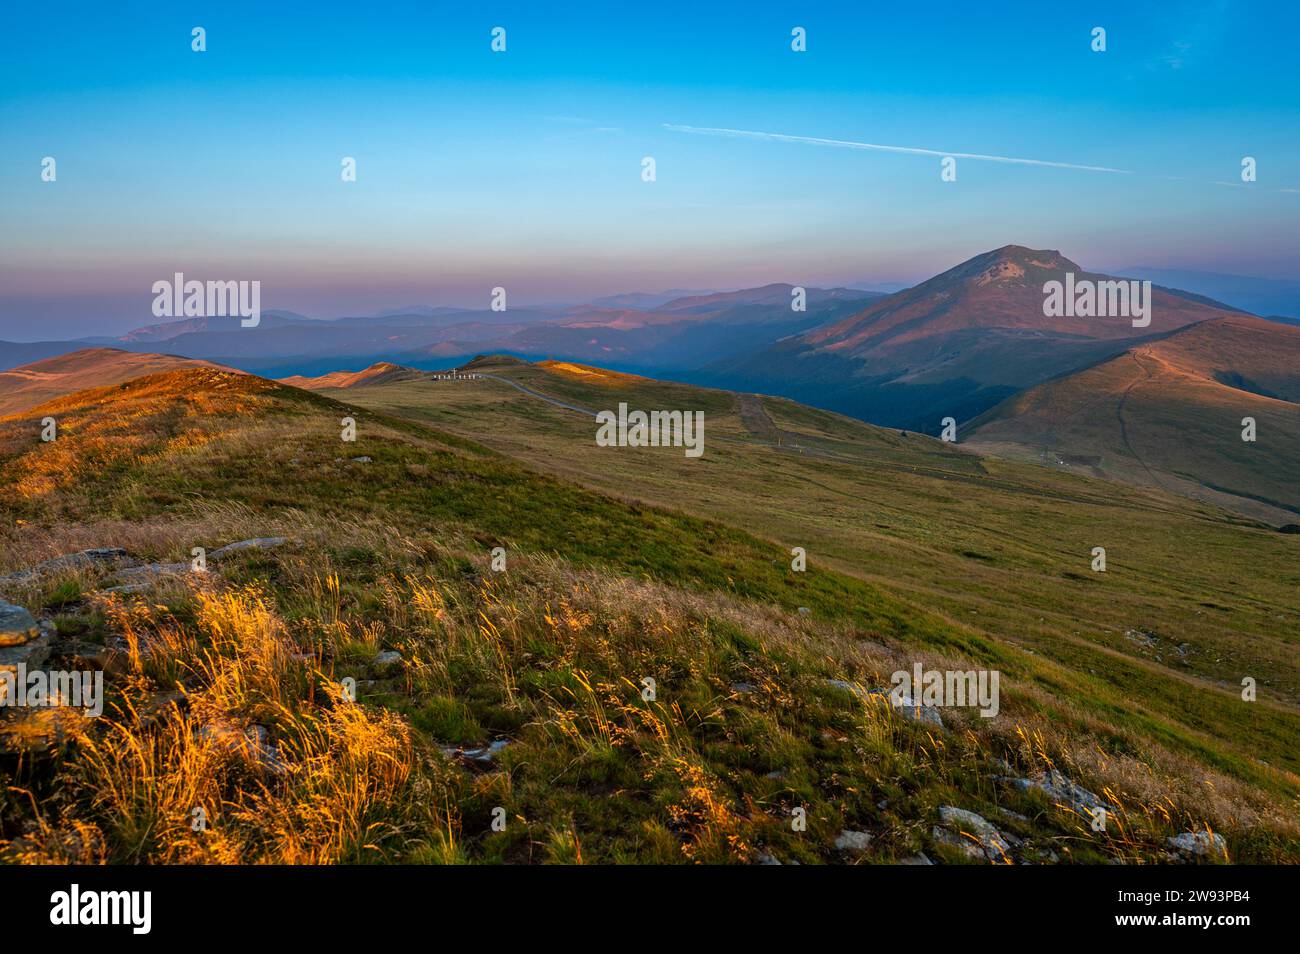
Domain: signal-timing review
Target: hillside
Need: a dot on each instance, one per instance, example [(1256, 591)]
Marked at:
[(380, 372), (523, 688), (953, 345), (1169, 413), (36, 383)]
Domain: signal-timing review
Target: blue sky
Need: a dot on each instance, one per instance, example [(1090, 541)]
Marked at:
[(523, 169)]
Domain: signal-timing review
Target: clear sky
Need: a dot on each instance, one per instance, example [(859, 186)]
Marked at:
[(523, 168)]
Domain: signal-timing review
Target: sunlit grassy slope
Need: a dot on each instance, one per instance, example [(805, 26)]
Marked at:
[(622, 565)]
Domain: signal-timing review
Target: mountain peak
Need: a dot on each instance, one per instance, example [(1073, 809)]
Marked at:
[(1014, 262)]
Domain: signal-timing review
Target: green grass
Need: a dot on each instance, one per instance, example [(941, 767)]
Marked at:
[(626, 565)]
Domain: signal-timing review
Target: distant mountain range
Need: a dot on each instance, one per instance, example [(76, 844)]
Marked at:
[(680, 333), (1273, 298), (956, 345)]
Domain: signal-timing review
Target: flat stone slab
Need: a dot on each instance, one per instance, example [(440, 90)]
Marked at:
[(257, 543), (70, 561), (17, 626), (31, 654)]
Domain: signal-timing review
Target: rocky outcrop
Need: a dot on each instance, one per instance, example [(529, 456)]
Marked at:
[(132, 576), (1202, 844), (1062, 790), (23, 640), (86, 559), (972, 834), (257, 543), (906, 706)]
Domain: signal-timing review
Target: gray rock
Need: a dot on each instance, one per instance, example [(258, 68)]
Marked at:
[(17, 626), (953, 840), (1201, 843), (32, 653), (1062, 790), (849, 687), (907, 707), (1146, 640), (388, 657), (480, 757), (1038, 856), (920, 858), (994, 844), (257, 543), (361, 460), (128, 588), (853, 842), (765, 859), (72, 561), (140, 578), (918, 712)]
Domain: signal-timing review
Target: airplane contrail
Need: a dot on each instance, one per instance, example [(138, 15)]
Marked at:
[(877, 147)]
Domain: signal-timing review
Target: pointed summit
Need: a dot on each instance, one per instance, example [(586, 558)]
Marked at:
[(956, 344)]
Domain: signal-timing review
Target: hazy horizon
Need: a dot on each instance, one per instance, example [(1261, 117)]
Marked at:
[(522, 169)]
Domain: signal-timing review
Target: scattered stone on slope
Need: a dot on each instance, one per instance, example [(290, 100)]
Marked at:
[(853, 842), (248, 743), (1146, 640), (137, 578), (70, 561), (920, 858), (1035, 855), (849, 687), (1203, 844), (256, 543), (388, 657), (478, 757), (915, 711), (1061, 790), (908, 707), (988, 841)]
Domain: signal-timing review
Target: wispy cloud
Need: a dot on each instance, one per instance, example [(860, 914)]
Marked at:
[(916, 151), (879, 147)]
